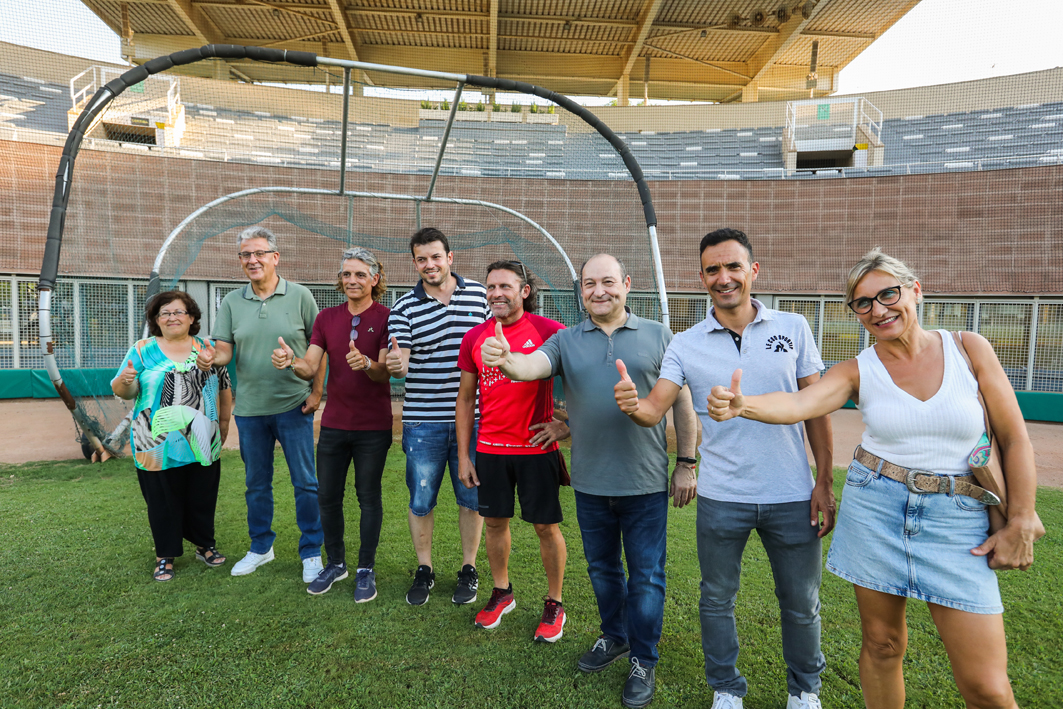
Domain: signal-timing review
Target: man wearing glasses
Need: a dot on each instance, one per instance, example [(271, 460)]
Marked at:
[(356, 425), (516, 447), (271, 404), (753, 476), (426, 326)]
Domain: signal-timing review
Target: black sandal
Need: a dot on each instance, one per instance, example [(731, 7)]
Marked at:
[(210, 556), (161, 572)]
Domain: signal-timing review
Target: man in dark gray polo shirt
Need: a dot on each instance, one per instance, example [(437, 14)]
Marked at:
[(271, 404), (619, 469)]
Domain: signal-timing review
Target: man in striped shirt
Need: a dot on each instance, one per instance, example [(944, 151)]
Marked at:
[(427, 326)]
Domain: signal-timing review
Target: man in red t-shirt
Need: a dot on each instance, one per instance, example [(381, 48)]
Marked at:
[(516, 446)]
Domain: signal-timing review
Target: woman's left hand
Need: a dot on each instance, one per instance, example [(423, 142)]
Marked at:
[(1012, 546)]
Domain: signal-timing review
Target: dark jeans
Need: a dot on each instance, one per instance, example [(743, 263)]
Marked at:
[(181, 504), (796, 559), (632, 611), (258, 436), (336, 449)]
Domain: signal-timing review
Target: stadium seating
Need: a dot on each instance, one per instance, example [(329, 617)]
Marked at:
[(975, 140)]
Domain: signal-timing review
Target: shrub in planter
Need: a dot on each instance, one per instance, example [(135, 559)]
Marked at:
[(426, 104), (515, 108), (534, 108), (498, 107), (550, 108), (444, 106), (462, 106), (481, 107)]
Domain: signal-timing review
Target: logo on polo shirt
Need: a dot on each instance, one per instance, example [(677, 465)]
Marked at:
[(779, 343), (529, 343)]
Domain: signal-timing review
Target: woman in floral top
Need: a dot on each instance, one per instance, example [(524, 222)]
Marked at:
[(180, 420)]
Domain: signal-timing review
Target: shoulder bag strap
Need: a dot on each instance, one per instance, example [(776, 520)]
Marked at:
[(985, 412)]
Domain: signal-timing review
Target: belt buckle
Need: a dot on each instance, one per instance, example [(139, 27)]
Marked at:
[(909, 480)]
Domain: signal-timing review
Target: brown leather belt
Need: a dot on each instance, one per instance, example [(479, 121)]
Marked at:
[(925, 482)]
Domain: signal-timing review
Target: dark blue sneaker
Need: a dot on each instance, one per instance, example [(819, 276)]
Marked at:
[(328, 576), (364, 586)]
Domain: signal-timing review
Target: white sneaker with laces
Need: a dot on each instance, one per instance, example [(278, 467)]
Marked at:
[(722, 700), (311, 568), (807, 700), (251, 562)]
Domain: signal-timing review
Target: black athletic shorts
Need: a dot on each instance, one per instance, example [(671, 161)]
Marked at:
[(537, 479)]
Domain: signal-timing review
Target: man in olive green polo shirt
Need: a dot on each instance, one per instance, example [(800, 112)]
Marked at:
[(271, 405)]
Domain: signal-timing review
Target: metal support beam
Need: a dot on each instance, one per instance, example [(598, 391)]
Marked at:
[(789, 32), (197, 21), (341, 23), (343, 135), (492, 40), (446, 137)]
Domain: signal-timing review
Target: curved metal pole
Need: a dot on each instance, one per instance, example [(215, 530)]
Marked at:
[(375, 195)]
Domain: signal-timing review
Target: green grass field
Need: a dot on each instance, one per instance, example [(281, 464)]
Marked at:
[(82, 623)]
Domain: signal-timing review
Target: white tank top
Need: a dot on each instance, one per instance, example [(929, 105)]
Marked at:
[(937, 434)]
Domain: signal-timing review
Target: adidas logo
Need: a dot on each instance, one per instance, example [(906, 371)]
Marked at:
[(529, 343)]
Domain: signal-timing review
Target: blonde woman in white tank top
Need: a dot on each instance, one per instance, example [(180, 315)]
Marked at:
[(919, 403)]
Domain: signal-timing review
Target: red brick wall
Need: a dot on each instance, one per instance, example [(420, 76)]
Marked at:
[(990, 232)]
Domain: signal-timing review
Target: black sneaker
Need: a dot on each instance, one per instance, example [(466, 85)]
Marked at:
[(605, 652), (326, 577), (638, 690), (423, 581), (468, 582)]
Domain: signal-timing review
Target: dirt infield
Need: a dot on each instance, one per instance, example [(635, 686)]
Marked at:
[(36, 429)]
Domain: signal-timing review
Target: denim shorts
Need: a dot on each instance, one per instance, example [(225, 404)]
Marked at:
[(430, 448), (895, 541)]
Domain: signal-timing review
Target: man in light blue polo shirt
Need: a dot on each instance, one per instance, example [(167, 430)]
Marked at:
[(619, 470), (271, 404), (753, 476)]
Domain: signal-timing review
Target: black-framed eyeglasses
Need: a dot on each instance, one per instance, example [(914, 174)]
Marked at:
[(246, 255), (886, 296), (355, 321), (173, 313)]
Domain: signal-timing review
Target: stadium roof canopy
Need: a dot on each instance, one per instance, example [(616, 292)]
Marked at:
[(715, 50)]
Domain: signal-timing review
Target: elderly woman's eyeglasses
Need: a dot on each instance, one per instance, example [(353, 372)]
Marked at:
[(173, 313), (886, 296), (246, 255)]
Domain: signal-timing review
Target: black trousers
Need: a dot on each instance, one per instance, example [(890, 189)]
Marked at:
[(181, 503), (336, 449)]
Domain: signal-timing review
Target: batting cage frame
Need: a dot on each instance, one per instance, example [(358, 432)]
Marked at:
[(106, 444)]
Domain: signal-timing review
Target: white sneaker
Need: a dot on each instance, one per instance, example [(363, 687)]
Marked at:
[(807, 700), (311, 568), (251, 562), (722, 700)]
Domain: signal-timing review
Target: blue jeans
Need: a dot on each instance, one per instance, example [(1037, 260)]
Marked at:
[(796, 564), (429, 446), (258, 434), (632, 612)]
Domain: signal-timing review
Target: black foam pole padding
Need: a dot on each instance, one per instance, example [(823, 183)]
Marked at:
[(104, 96), (592, 120)]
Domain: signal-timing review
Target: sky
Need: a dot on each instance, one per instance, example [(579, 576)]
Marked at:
[(938, 42)]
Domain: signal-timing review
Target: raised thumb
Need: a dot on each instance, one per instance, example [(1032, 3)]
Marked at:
[(130, 363), (622, 368), (498, 331), (280, 341), (353, 347), (394, 343), (736, 382)]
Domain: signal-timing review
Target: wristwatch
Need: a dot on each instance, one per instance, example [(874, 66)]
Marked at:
[(688, 461)]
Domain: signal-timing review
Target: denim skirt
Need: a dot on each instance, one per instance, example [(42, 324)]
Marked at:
[(895, 541)]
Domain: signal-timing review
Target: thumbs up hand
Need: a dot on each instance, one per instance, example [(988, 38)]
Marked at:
[(356, 360), (393, 360), (727, 403), (129, 374), (283, 356), (495, 349), (205, 358), (627, 396)]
